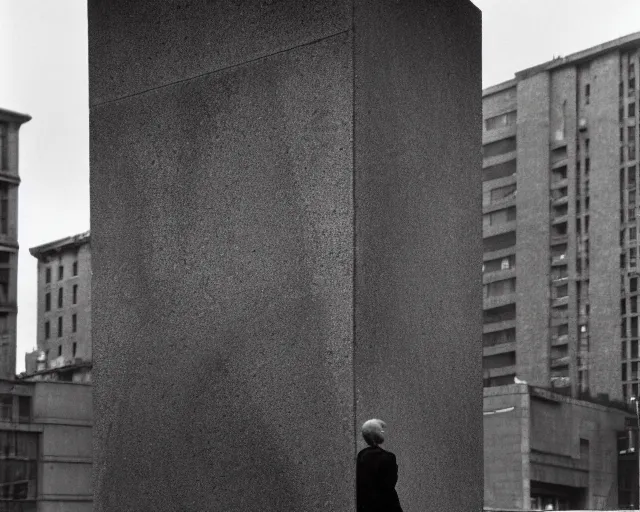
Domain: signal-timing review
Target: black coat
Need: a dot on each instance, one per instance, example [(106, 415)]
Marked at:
[(376, 477)]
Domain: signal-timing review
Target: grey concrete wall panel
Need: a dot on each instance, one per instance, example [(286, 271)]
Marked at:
[(532, 262), (226, 231), (418, 241), (604, 231), (142, 45), (222, 245)]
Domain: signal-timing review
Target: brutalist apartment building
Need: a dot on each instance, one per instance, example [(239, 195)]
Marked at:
[(560, 269), (560, 276)]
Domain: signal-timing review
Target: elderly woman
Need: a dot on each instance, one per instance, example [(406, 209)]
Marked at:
[(376, 472)]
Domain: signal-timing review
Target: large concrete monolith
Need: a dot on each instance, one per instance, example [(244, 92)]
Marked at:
[(286, 241)]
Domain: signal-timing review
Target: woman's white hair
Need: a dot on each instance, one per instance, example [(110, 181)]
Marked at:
[(372, 431)]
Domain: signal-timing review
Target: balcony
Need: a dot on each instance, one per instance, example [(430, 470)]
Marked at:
[(498, 275), (560, 201), (560, 184), (559, 260), (498, 372), (500, 300), (502, 348), (562, 339), (559, 280), (499, 204), (499, 229), (499, 325), (560, 301), (560, 361), (498, 134)]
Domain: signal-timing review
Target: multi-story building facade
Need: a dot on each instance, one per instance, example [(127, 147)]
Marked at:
[(45, 446), (64, 310), (10, 123), (560, 269)]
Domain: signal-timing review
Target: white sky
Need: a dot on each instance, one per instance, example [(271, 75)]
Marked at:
[(43, 72)]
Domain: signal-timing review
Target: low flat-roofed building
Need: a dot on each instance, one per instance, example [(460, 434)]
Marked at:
[(45, 446), (546, 449)]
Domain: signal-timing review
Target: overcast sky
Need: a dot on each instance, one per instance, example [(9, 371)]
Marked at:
[(43, 72)]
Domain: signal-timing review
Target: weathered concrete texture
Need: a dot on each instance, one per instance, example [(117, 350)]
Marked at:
[(137, 46), (604, 244), (418, 196), (532, 267), (506, 427), (224, 253), (222, 239)]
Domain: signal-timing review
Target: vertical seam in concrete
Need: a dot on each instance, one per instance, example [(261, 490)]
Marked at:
[(353, 227)]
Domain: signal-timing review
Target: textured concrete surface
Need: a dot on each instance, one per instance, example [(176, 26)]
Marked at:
[(604, 233), (533, 239), (137, 46), (228, 333), (505, 434), (417, 137)]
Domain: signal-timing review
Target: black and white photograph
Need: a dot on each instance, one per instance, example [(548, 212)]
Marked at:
[(319, 255)]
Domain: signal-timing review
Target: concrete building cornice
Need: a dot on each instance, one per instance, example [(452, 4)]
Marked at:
[(42, 251), (13, 117), (628, 41)]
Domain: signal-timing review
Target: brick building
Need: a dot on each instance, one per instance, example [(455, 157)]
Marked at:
[(64, 311), (560, 270), (10, 123)]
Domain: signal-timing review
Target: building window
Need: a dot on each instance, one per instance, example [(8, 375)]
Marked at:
[(74, 322), (75, 268), (47, 330), (75, 349), (47, 302), (587, 93), (498, 288), (60, 297), (60, 273), (75, 293), (59, 350), (633, 284), (4, 153), (47, 275), (4, 209), (501, 193), (501, 121), (634, 348), (632, 110), (60, 327)]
